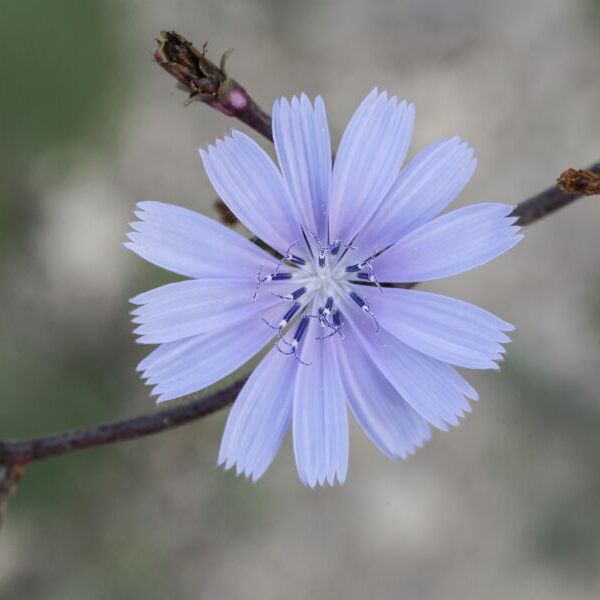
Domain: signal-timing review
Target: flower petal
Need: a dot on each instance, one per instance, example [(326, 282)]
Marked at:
[(185, 308), (369, 156), (444, 328), (320, 417), (260, 417), (185, 366), (387, 420), (423, 189), (249, 183), (453, 243), (433, 388), (301, 137), (191, 244)]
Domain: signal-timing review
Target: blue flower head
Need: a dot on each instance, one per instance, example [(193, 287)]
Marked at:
[(343, 337)]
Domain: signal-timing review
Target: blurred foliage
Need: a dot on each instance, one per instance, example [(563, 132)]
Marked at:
[(61, 76), (59, 63), (60, 71), (594, 10)]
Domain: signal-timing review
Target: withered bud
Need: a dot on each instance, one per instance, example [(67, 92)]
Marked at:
[(208, 82), (576, 181)]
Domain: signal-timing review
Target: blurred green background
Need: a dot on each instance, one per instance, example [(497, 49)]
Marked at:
[(508, 505)]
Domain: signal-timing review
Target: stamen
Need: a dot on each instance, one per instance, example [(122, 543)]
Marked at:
[(364, 306), (336, 326), (323, 316), (295, 341), (259, 281), (271, 277), (287, 255), (293, 296), (289, 315), (335, 247), (275, 275), (332, 249), (336, 330), (279, 276), (370, 275)]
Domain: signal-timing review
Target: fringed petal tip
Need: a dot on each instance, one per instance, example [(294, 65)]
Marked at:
[(331, 481), (455, 420), (246, 471), (453, 243), (283, 104), (251, 186), (378, 134)]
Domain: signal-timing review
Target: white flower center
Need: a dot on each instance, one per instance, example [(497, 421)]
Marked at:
[(317, 286)]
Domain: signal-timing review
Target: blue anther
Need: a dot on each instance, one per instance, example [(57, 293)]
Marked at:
[(297, 260), (364, 306), (293, 296), (329, 303), (294, 345), (281, 276), (357, 299), (297, 293), (290, 313), (370, 274), (331, 249), (300, 330)]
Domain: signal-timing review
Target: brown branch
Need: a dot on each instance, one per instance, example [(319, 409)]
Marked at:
[(207, 83), (15, 455), (22, 452)]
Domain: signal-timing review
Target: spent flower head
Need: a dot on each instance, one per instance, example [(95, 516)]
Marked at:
[(341, 336)]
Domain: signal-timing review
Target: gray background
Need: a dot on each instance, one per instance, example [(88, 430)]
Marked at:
[(506, 506)]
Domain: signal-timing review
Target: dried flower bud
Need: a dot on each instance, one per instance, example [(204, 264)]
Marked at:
[(577, 181), (208, 82)]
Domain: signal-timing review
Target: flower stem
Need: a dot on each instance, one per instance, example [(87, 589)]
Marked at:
[(15, 455), (22, 452)]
